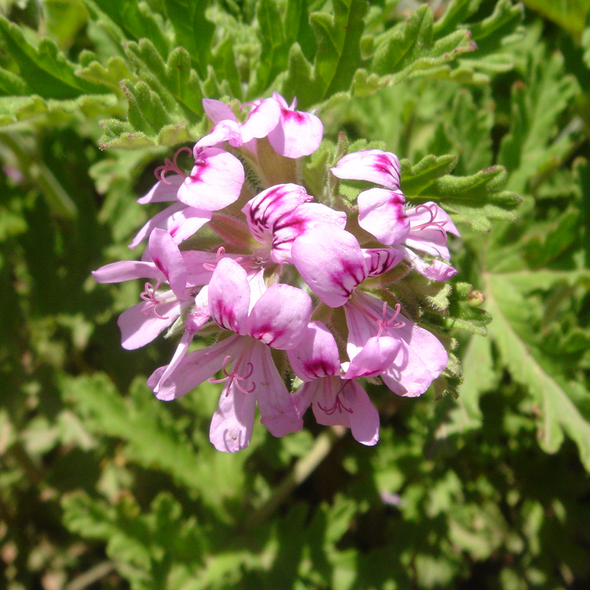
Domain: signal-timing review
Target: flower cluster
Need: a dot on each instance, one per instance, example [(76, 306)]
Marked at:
[(301, 310)]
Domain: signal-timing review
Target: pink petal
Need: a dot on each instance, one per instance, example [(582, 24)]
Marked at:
[(223, 131), (382, 214), (277, 407), (330, 261), (298, 133), (379, 260), (302, 219), (194, 368), (229, 296), (270, 207), (345, 403), (126, 270), (168, 259), (233, 421), (279, 318), (217, 111), (263, 118), (374, 358), (316, 355), (139, 326), (215, 181), (371, 165), (435, 271), (163, 190)]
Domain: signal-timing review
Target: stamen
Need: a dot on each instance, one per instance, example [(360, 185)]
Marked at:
[(233, 377), (338, 405), (171, 166), (439, 225), (150, 297), (211, 267), (386, 324)]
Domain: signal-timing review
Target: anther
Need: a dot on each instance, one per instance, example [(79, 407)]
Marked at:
[(171, 166), (152, 302)]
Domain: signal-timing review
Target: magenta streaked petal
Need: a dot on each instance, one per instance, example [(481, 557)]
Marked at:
[(298, 134), (233, 421), (290, 227), (126, 270), (316, 355), (330, 261), (194, 368), (139, 326), (379, 260), (270, 207), (217, 111), (215, 181), (279, 318), (163, 190), (262, 119), (229, 296), (382, 214), (167, 257), (371, 165), (277, 407)]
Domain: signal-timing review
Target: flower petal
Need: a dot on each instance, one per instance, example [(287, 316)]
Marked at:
[(262, 119), (345, 403), (233, 421), (217, 111), (139, 327), (379, 260), (215, 181), (277, 407), (371, 165), (168, 259), (279, 318), (163, 190), (382, 214), (229, 296), (302, 219), (297, 134), (374, 358), (270, 207), (195, 367), (126, 270), (330, 261), (316, 355), (435, 271)]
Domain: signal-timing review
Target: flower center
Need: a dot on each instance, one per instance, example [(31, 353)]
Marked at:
[(150, 296), (232, 375), (338, 405), (171, 166), (436, 225)]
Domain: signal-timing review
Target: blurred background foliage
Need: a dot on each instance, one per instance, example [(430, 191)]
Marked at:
[(103, 486)]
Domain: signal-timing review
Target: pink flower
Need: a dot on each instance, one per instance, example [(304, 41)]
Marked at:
[(291, 133), (277, 319), (214, 183), (336, 401)]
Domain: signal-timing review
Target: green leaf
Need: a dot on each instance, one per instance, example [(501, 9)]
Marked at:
[(569, 14), (410, 51), (126, 20), (20, 108), (338, 55), (194, 31), (43, 70), (558, 413), (528, 151)]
